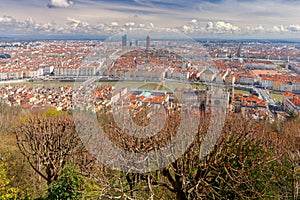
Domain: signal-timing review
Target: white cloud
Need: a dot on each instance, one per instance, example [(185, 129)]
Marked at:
[(194, 21), (151, 25), (276, 29), (224, 27), (73, 25), (7, 20), (209, 26), (221, 27), (78, 26), (187, 29), (114, 24), (74, 21), (259, 28), (293, 28), (279, 29), (60, 3), (242, 14), (290, 28), (129, 24)]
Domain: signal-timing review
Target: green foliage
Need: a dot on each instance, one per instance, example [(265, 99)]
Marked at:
[(68, 186), (250, 171), (53, 112), (6, 192), (19, 168)]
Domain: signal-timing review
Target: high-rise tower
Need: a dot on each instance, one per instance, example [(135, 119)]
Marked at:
[(124, 41), (148, 42)]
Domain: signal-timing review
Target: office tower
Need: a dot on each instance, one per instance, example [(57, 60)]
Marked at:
[(148, 42), (239, 51), (124, 41)]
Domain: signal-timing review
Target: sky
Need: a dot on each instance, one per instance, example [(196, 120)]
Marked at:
[(195, 18)]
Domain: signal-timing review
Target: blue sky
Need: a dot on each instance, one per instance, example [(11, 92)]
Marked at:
[(196, 18)]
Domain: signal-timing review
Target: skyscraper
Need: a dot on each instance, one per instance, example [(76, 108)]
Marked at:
[(239, 51), (148, 42), (124, 41)]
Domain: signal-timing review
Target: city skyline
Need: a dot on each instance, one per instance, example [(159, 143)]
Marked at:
[(196, 18)]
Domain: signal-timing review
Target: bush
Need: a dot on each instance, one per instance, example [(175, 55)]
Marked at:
[(68, 185), (6, 191)]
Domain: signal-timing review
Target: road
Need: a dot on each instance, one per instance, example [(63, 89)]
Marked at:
[(265, 96), (13, 81)]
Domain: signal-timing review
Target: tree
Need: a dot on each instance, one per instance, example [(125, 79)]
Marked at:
[(245, 164), (248, 161), (47, 142)]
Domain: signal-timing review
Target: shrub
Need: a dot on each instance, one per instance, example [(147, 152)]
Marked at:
[(6, 191), (68, 185)]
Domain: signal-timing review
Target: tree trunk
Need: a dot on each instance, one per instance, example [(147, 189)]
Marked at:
[(180, 195), (131, 185)]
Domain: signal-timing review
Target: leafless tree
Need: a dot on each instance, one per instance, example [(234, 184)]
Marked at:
[(245, 163), (47, 143)]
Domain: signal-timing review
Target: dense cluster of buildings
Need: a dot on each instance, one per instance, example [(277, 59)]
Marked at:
[(46, 58), (249, 105), (255, 50), (37, 96), (152, 65), (269, 66)]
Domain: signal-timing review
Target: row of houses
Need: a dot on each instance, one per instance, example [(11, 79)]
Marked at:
[(152, 75), (21, 74), (279, 84), (41, 72), (75, 71), (276, 83), (178, 74)]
